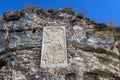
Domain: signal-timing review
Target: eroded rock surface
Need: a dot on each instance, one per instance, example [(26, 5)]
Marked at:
[(90, 55)]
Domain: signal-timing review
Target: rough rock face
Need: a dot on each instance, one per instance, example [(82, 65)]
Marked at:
[(91, 55)]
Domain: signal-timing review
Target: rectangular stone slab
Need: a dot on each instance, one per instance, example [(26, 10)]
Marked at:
[(54, 47)]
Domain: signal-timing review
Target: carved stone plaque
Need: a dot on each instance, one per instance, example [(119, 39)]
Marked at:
[(54, 47)]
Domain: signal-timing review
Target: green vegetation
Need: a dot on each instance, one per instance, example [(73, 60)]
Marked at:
[(67, 10), (51, 10), (111, 29), (80, 16)]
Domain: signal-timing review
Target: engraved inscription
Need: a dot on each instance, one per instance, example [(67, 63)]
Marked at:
[(54, 47)]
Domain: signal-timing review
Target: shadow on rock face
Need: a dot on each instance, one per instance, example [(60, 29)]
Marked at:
[(70, 76), (2, 63), (12, 15)]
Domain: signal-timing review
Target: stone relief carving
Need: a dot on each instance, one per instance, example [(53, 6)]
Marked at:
[(54, 46)]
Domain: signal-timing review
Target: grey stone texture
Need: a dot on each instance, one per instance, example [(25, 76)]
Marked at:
[(90, 55)]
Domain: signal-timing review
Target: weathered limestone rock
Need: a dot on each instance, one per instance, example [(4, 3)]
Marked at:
[(2, 41), (12, 15), (86, 37), (90, 55), (25, 39)]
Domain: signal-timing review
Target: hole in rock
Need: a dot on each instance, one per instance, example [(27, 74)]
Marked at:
[(2, 63), (34, 31), (70, 76), (12, 59)]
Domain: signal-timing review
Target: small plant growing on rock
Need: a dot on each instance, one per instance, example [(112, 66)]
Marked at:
[(67, 10), (51, 10), (80, 16), (112, 29)]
